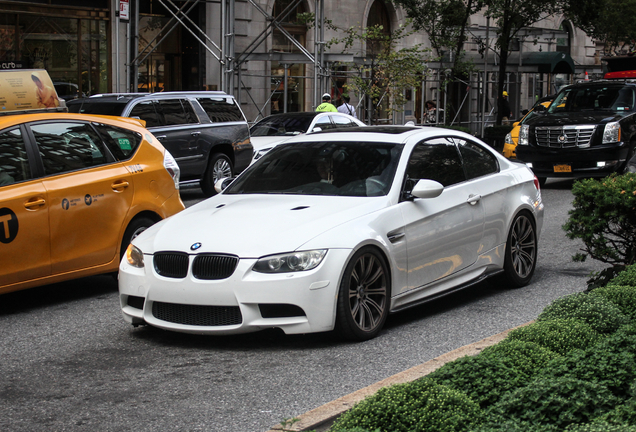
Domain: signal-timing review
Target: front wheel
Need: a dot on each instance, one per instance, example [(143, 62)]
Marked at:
[(219, 167), (136, 227), (363, 297), (521, 251)]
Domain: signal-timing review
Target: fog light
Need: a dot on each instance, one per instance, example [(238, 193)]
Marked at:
[(600, 164)]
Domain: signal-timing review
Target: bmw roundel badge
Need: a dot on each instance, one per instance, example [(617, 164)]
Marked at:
[(195, 246)]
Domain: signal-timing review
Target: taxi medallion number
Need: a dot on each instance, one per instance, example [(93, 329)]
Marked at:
[(563, 168)]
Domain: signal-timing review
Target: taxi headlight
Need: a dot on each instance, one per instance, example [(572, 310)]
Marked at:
[(134, 256), (508, 140), (290, 262), (524, 131)]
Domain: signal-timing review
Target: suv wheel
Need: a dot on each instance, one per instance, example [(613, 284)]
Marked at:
[(219, 167)]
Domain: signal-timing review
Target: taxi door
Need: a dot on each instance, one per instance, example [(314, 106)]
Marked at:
[(89, 193), (24, 215)]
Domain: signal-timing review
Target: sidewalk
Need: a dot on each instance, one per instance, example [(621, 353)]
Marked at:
[(321, 418)]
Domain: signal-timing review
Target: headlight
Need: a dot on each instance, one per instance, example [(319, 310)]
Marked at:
[(290, 262), (524, 131), (612, 133), (508, 140), (134, 256)]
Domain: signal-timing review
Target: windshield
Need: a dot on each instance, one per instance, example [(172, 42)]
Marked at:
[(280, 126), (594, 98), (322, 168)]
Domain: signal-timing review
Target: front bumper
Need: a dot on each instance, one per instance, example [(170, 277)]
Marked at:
[(247, 301), (597, 161)]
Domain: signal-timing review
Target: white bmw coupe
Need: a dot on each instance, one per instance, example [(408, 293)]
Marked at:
[(335, 230)]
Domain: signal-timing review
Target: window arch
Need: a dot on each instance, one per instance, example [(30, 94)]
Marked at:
[(378, 15), (564, 43)]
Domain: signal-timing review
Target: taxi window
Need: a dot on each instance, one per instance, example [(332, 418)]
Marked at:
[(122, 143), (14, 164), (68, 146)]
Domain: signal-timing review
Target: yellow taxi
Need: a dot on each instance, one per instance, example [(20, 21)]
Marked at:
[(510, 142), (74, 190)]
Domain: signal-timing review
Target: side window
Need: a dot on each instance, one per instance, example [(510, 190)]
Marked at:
[(323, 123), (68, 146), (438, 160), (14, 163), (477, 160), (122, 143), (341, 121), (146, 111), (173, 112), (221, 109)]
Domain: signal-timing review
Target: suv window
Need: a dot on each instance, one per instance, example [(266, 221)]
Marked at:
[(146, 111), (15, 163), (610, 97), (175, 113), (68, 146), (221, 110), (122, 143)]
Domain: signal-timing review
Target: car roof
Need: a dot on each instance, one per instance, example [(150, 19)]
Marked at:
[(395, 134), (127, 97), (6, 121)]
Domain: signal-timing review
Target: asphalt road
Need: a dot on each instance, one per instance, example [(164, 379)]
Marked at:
[(70, 363)]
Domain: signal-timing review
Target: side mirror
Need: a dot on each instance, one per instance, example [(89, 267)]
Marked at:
[(427, 189), (540, 108), (317, 129), (222, 184), (515, 124)]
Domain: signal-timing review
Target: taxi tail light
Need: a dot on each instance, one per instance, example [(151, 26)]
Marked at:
[(171, 166)]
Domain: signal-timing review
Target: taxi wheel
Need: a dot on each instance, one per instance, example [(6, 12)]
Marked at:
[(219, 167), (136, 227)]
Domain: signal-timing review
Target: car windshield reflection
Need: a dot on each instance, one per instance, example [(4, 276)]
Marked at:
[(359, 169)]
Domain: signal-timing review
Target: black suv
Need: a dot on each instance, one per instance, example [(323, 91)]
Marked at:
[(206, 132), (589, 130)]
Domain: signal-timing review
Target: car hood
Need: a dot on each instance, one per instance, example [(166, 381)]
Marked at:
[(574, 118), (269, 141), (252, 226)]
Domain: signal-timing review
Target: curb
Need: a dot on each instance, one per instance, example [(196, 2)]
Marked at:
[(320, 419)]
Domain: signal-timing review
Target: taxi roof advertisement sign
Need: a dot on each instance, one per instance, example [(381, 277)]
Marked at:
[(26, 89)]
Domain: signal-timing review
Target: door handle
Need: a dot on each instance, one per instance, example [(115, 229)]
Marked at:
[(161, 137), (120, 185), (34, 203), (195, 133), (473, 199)]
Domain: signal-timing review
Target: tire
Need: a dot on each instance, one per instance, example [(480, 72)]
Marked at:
[(219, 167), (363, 296), (521, 251), (136, 227)]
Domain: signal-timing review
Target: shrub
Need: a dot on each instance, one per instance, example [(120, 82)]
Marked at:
[(603, 217), (525, 357), (608, 363), (482, 378), (625, 277), (554, 401), (600, 427), (421, 405), (558, 335), (623, 296), (599, 313), (517, 426)]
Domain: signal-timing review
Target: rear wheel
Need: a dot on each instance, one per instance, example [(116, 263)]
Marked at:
[(521, 251), (219, 167), (363, 297)]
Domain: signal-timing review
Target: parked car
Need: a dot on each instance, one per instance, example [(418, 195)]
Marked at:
[(206, 132), (74, 191), (510, 142), (352, 225), (589, 130), (278, 128)]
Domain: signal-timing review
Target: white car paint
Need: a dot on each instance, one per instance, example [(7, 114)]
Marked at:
[(432, 245)]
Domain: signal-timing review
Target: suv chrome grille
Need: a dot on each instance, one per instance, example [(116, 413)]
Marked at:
[(564, 136), (214, 267), (171, 264), (197, 315)]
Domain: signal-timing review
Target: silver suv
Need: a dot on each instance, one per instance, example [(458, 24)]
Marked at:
[(206, 132)]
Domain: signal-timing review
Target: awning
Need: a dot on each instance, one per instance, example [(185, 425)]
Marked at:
[(547, 62)]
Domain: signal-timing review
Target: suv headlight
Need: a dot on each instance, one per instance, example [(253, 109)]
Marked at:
[(612, 133), (290, 262), (524, 132)]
